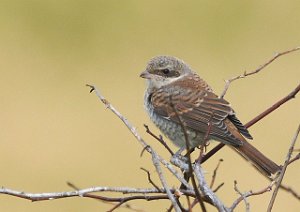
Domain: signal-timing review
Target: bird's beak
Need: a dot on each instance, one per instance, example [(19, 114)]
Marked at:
[(145, 74)]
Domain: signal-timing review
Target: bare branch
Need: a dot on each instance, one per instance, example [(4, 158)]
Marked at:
[(251, 193), (156, 163), (264, 113), (77, 193), (286, 163), (274, 107), (256, 119), (242, 196), (128, 206), (205, 140), (137, 136), (190, 170), (210, 196), (160, 139), (206, 190), (120, 116), (194, 169), (245, 74), (215, 173), (87, 194), (296, 150), (218, 187), (290, 190), (297, 157), (150, 180)]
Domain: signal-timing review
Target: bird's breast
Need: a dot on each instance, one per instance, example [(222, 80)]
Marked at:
[(171, 129)]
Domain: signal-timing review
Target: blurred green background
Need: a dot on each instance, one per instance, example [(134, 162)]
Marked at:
[(52, 130)]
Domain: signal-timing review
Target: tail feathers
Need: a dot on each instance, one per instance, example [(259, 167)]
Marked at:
[(259, 160)]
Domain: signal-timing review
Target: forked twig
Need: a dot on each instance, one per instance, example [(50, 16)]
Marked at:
[(249, 194), (245, 74), (297, 157), (242, 196), (256, 119), (150, 180), (115, 205), (156, 159), (266, 112), (160, 139), (286, 163), (135, 133), (165, 192)]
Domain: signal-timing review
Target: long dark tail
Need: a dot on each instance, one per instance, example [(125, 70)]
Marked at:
[(259, 160)]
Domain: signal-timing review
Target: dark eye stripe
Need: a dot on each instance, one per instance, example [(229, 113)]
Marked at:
[(166, 73), (173, 74)]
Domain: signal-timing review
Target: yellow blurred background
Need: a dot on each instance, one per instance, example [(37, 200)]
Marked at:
[(52, 130)]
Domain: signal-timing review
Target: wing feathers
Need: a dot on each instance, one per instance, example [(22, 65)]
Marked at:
[(243, 130), (198, 106)]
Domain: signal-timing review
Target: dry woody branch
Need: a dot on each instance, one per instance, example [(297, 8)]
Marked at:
[(195, 193)]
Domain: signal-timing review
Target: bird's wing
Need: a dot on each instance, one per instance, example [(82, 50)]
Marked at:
[(198, 106)]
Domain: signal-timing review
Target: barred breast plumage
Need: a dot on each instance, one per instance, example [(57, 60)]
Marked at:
[(171, 129)]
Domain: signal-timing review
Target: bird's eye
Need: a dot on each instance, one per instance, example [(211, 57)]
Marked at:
[(165, 71)]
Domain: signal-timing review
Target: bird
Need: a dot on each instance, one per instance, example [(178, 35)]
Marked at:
[(174, 90)]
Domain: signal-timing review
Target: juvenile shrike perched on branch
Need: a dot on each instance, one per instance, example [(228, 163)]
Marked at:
[(172, 85)]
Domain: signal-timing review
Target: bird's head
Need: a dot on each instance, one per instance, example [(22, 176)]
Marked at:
[(163, 70)]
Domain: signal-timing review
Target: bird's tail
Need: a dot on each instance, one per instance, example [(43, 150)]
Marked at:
[(259, 160)]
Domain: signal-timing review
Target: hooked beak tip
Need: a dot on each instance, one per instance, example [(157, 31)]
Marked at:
[(145, 75)]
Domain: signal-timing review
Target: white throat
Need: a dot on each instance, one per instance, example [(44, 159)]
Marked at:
[(153, 83)]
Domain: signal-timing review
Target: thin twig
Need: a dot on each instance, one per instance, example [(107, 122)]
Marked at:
[(205, 140), (266, 112), (218, 187), (251, 193), (87, 194), (242, 196), (72, 185), (286, 163), (121, 117), (150, 180), (245, 74), (290, 96), (155, 156), (297, 157), (290, 190), (126, 199), (133, 130), (187, 141), (170, 208), (160, 139), (255, 120), (189, 203), (128, 206), (206, 190), (209, 196), (77, 193), (215, 173), (156, 163)]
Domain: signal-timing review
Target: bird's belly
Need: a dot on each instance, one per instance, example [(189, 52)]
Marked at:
[(174, 131)]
